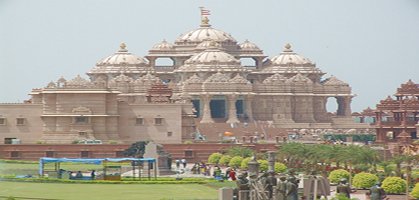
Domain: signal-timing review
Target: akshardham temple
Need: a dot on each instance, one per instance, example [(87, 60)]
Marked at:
[(128, 98)]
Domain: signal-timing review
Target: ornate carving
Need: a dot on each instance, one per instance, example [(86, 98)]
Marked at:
[(218, 78), (81, 110)]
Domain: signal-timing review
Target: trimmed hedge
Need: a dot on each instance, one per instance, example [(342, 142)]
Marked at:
[(244, 163), (364, 180), (263, 165), (214, 158), (394, 185), (280, 167), (235, 162), (415, 191), (225, 160), (338, 174)]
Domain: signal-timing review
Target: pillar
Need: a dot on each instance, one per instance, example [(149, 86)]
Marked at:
[(347, 104), (249, 111), (232, 111), (206, 111)]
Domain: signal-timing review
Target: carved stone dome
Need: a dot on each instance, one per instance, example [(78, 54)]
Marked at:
[(121, 61), (204, 32), (208, 43), (249, 46), (288, 56), (163, 46)]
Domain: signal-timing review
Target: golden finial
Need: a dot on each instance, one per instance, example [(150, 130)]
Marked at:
[(288, 46), (123, 46), (204, 21)]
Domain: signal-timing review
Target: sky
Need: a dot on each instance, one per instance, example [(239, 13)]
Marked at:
[(372, 45)]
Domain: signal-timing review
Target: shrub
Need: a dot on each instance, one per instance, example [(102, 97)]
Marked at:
[(280, 167), (394, 185), (224, 160), (235, 162), (244, 162), (415, 191), (263, 165), (214, 158), (364, 180), (240, 151), (338, 174)]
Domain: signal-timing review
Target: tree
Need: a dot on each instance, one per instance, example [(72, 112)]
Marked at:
[(136, 150), (364, 180), (394, 185), (214, 158), (244, 163), (235, 162), (240, 151), (224, 160), (338, 174), (280, 167)]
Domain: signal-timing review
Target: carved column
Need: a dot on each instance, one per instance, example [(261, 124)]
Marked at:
[(249, 111), (206, 111), (232, 111), (347, 103)]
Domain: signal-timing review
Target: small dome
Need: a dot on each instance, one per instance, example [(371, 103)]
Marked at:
[(289, 57), (213, 55), (121, 61), (249, 46), (121, 57), (334, 81), (163, 46)]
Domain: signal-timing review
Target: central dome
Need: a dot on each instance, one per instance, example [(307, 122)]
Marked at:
[(205, 32)]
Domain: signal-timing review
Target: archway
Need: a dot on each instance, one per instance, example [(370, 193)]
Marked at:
[(332, 105), (164, 62), (248, 62), (218, 108)]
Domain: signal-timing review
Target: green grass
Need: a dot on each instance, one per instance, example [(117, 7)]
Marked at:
[(109, 192)]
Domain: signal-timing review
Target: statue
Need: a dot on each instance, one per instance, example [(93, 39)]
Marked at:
[(270, 183), (343, 188), (292, 188), (281, 188), (376, 192), (243, 186)]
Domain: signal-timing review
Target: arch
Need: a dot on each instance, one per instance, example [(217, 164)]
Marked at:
[(164, 62), (248, 62), (332, 105)]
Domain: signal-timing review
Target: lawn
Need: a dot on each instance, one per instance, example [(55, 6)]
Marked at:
[(107, 191)]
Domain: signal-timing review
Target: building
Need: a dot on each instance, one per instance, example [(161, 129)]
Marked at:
[(397, 119), (129, 98)]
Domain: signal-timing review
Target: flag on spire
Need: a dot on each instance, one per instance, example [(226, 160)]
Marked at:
[(204, 12)]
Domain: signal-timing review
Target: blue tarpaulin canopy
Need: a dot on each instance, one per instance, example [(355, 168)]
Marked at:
[(96, 161)]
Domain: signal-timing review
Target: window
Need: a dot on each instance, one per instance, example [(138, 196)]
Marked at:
[(15, 154), (139, 121), (81, 120), (158, 121), (50, 154), (2, 121), (188, 153), (84, 154), (8, 140), (169, 134), (20, 121)]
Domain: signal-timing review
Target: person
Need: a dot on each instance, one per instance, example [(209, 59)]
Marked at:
[(217, 174), (292, 189), (79, 174), (271, 183), (281, 188), (177, 163), (376, 192), (343, 188), (93, 175), (232, 174), (183, 163), (243, 186)]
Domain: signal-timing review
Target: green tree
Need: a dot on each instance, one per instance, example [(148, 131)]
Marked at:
[(244, 163), (214, 158), (235, 162), (224, 160), (239, 151), (415, 191), (394, 185), (338, 174), (364, 180), (280, 167), (136, 149), (263, 165)]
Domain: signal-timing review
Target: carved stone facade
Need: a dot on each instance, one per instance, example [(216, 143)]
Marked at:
[(128, 98)]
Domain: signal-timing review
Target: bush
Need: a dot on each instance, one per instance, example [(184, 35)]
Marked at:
[(263, 165), (415, 191), (336, 175), (214, 158), (394, 185), (224, 160), (364, 180), (239, 151), (243, 165), (235, 162), (280, 167)]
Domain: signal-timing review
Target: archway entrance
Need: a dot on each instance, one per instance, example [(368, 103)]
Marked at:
[(218, 108), (197, 107)]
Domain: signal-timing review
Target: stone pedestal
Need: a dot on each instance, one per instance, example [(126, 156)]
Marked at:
[(225, 193)]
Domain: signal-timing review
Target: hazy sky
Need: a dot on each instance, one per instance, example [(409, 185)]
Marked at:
[(372, 45)]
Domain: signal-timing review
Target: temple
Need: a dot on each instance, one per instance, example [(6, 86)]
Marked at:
[(128, 98), (397, 119)]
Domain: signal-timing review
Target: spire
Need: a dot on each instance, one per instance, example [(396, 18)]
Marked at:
[(204, 17), (288, 48), (123, 47)]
